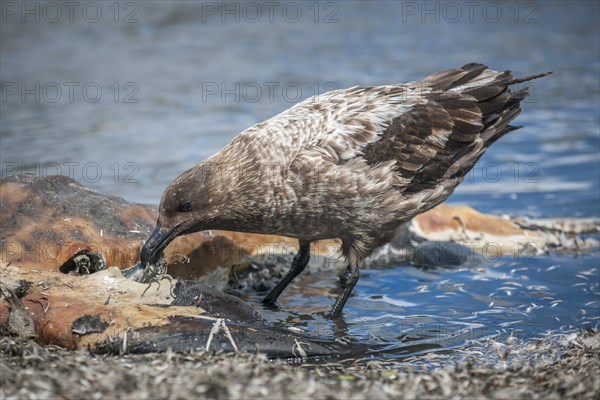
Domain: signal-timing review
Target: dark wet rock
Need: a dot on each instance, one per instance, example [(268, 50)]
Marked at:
[(262, 286), (445, 255)]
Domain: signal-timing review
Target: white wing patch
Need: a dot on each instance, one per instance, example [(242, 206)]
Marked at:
[(353, 118)]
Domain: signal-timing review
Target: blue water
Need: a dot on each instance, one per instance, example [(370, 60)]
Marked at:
[(409, 310), (159, 86)]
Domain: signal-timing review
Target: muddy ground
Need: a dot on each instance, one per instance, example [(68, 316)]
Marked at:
[(564, 366)]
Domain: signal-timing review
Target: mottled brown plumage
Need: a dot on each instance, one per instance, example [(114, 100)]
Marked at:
[(351, 164)]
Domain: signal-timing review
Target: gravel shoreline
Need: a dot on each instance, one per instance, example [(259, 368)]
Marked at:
[(31, 371)]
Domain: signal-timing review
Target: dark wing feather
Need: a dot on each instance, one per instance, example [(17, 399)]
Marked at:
[(467, 110)]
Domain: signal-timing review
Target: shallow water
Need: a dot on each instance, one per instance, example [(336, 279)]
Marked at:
[(407, 310), (179, 83)]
